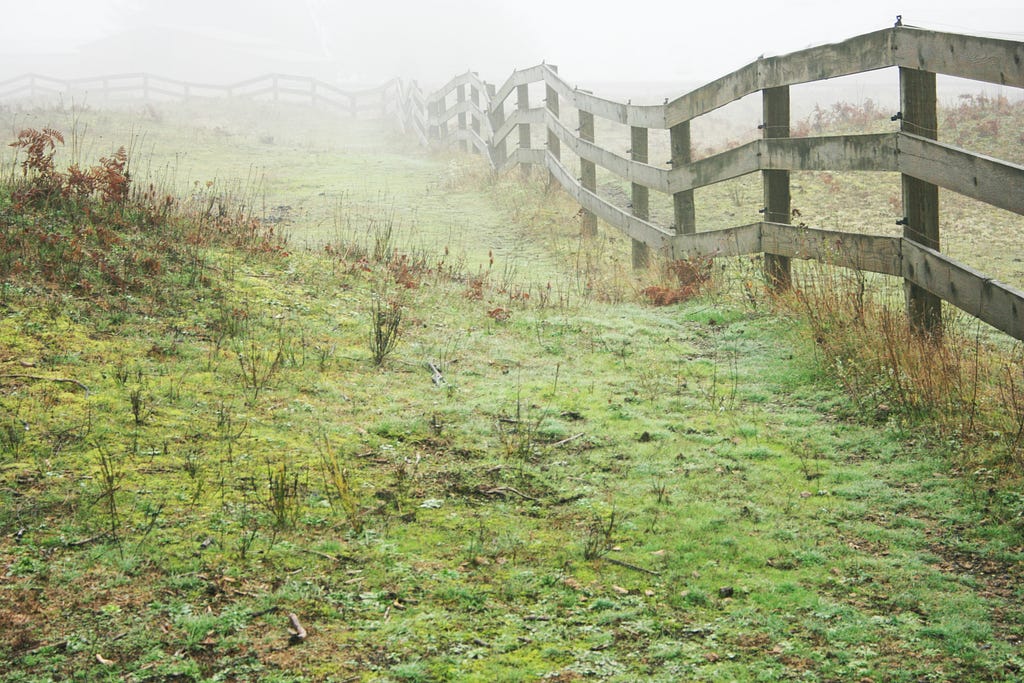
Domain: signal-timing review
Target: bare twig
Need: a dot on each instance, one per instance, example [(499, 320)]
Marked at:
[(634, 567), (436, 375), (326, 556), (40, 378), (506, 489), (565, 441), (84, 541), (62, 645)]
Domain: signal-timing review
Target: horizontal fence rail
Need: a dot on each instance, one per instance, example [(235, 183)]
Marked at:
[(478, 116)]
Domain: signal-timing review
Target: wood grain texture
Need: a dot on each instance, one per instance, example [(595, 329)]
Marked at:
[(990, 60), (998, 304), (996, 182)]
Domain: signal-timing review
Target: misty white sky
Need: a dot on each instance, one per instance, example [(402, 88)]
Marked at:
[(594, 41)]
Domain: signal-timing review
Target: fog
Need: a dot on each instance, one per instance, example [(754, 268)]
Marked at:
[(599, 42)]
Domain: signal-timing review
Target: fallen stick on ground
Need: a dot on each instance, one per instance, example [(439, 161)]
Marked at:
[(40, 378), (634, 567)]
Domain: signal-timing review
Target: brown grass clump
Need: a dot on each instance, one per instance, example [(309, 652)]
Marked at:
[(687, 278), (963, 387)]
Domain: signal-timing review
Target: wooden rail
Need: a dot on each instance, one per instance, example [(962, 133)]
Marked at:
[(488, 120)]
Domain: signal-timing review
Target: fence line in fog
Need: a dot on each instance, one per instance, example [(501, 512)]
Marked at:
[(480, 117), (131, 87)]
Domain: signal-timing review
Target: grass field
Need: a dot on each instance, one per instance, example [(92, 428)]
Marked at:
[(214, 467)]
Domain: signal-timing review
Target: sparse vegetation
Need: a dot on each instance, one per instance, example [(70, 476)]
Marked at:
[(595, 488), (385, 325)]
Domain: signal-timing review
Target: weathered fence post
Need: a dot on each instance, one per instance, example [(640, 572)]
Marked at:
[(434, 112), (441, 109), (775, 102), (432, 133), (474, 121), (588, 172), (920, 199), (496, 114), (460, 99), (638, 137), (523, 105), (682, 202), (554, 144)]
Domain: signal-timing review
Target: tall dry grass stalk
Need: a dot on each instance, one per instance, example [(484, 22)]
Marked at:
[(966, 387)]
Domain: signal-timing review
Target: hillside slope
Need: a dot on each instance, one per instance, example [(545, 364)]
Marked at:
[(214, 466)]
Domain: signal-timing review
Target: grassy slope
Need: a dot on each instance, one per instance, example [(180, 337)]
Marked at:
[(322, 177), (599, 490)]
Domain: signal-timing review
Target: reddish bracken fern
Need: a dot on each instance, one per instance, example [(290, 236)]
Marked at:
[(39, 147), (690, 275), (38, 168), (112, 180), (78, 184), (43, 182)]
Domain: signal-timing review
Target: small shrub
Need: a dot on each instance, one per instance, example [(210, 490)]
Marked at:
[(665, 296), (685, 278), (282, 499), (257, 364), (520, 436), (599, 536), (499, 314), (385, 327), (340, 488), (110, 476), (475, 287)]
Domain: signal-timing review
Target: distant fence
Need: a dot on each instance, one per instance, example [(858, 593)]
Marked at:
[(483, 121), (479, 116), (374, 102)]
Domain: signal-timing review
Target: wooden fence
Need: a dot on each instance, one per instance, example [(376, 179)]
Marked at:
[(479, 116), (486, 119), (374, 102)]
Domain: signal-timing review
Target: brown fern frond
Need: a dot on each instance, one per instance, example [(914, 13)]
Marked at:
[(111, 176)]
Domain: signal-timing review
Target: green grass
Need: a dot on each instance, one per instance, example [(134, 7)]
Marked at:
[(596, 490)]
